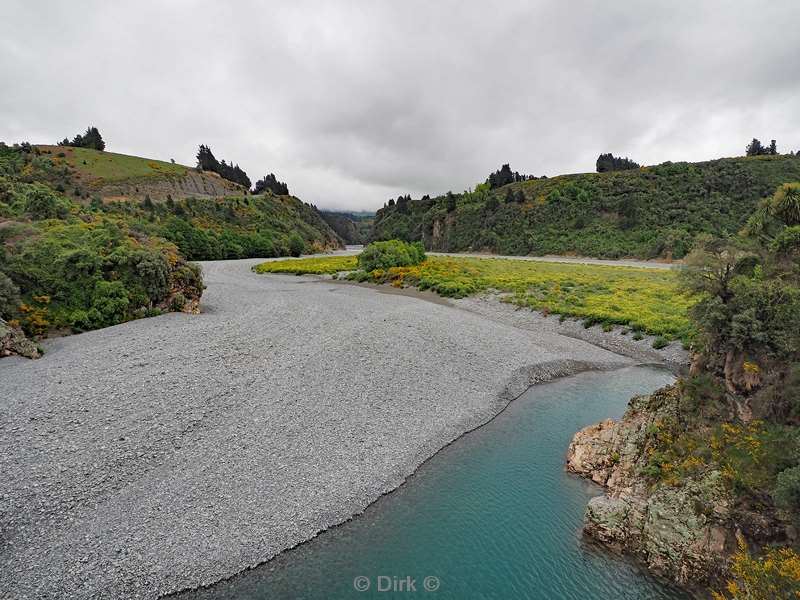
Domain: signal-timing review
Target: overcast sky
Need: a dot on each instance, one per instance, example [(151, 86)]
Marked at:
[(351, 103)]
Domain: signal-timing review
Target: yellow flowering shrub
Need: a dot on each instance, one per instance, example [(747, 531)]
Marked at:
[(774, 576)]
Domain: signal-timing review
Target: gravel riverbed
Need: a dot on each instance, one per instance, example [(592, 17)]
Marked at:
[(169, 453)]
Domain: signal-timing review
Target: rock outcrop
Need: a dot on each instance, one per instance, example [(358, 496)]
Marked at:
[(194, 184), (14, 342), (684, 532)]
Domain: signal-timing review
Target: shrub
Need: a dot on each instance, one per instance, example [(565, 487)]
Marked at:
[(787, 489), (109, 303), (393, 253), (41, 203), (296, 245), (775, 575), (9, 297), (178, 301), (660, 342)]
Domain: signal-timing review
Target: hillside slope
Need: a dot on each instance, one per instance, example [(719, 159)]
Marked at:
[(86, 173), (645, 213), (206, 216), (72, 261)]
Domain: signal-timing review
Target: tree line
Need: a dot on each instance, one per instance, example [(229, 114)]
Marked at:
[(206, 161), (91, 138), (504, 175)]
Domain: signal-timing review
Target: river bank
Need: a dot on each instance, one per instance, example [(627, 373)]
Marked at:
[(169, 453)]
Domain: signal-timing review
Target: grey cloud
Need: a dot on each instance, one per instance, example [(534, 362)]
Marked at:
[(354, 102)]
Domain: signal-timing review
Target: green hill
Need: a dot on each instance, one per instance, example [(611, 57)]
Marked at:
[(649, 212), (75, 257), (85, 173)]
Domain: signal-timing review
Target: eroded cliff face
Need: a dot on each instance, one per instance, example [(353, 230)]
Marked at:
[(684, 532), (195, 184)]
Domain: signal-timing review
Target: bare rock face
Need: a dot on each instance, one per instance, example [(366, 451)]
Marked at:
[(14, 342), (682, 532), (197, 184)]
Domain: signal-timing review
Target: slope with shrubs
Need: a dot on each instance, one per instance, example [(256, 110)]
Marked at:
[(72, 263), (650, 212), (260, 226), (716, 457), (65, 268)]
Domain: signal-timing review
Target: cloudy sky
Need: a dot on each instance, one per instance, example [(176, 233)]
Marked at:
[(354, 102)]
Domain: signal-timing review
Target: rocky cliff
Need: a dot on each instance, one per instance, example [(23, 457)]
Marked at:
[(194, 184), (685, 532)]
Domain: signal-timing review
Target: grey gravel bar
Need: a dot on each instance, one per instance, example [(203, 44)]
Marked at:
[(172, 452)]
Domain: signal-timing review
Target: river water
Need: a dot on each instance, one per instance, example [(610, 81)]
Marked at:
[(494, 515)]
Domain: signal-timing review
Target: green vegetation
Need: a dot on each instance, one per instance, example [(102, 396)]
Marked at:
[(389, 254), (234, 227), (202, 228), (643, 299), (649, 212), (65, 268), (69, 265), (92, 166), (309, 266), (738, 412)]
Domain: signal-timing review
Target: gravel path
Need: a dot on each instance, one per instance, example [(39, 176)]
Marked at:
[(167, 453)]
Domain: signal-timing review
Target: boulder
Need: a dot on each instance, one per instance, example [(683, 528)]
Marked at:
[(13, 341)]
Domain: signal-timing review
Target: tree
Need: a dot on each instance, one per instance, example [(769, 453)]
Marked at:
[(504, 175), (608, 162), (755, 148), (450, 202), (271, 183), (91, 138), (207, 162)]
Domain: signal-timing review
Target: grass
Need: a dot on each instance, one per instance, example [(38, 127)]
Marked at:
[(109, 166), (309, 266), (647, 300)]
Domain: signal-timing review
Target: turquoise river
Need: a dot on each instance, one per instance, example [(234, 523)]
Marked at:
[(493, 515)]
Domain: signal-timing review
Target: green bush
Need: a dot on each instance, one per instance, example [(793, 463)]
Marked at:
[(9, 297), (42, 203), (178, 302), (392, 253), (296, 245), (660, 342), (787, 489)]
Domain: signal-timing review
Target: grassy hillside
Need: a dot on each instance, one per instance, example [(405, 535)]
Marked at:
[(86, 174), (650, 212), (93, 165)]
